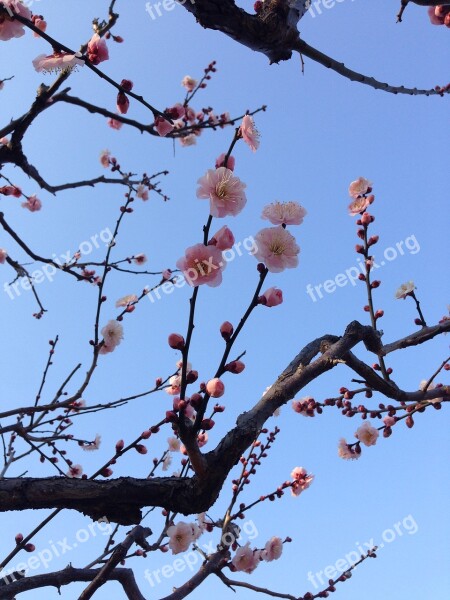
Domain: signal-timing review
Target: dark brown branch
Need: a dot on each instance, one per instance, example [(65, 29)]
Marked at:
[(67, 576), (419, 337)]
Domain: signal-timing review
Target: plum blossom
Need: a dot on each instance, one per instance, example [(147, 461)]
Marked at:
[(367, 434), (273, 549), (188, 83), (139, 259), (174, 444), (225, 192), (142, 192), (75, 471), (105, 157), (222, 239), (405, 290), (276, 248), (346, 452), (167, 461), (245, 559), (175, 385), (202, 264), (112, 334), (202, 439), (33, 204), (126, 300), (115, 124), (97, 50), (187, 140), (271, 297), (3, 255), (162, 126), (10, 28), (289, 213), (40, 23), (95, 445), (389, 421), (249, 133), (301, 482), (359, 205), (359, 187), (180, 537), (58, 61), (220, 162)]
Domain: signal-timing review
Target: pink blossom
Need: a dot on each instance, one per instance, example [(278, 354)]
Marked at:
[(10, 28), (162, 126), (222, 239), (435, 19), (389, 421), (273, 549), (303, 406), (345, 452), (112, 334), (359, 205), (190, 114), (272, 297), (177, 111), (97, 50), (174, 444), (289, 213), (220, 162), (405, 290), (4, 141), (215, 388), (58, 61), (359, 187), (33, 204), (180, 537), (188, 83), (167, 462), (39, 22), (187, 140), (224, 191), (105, 157), (123, 103), (11, 190), (202, 439), (127, 300), (3, 255), (115, 124), (139, 259), (276, 248), (95, 445), (367, 434), (142, 192), (245, 559), (249, 133), (301, 482), (75, 471), (175, 385), (202, 264)]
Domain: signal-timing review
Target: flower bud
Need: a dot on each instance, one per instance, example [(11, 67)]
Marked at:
[(271, 297), (235, 367), (226, 330), (215, 388), (176, 341), (120, 445)]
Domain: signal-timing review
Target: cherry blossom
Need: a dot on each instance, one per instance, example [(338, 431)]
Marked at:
[(273, 549), (367, 434), (75, 471), (249, 133), (58, 61), (359, 187), (301, 482), (289, 213), (112, 334), (359, 205), (97, 50), (405, 290), (224, 191), (3, 255), (126, 300), (175, 385), (202, 264), (276, 248), (180, 537), (10, 28)]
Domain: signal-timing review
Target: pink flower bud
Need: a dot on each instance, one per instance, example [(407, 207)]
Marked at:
[(19, 538), (220, 162), (207, 424), (120, 445), (272, 297), (226, 330), (141, 449), (127, 85), (176, 341), (215, 388), (223, 239), (196, 401), (389, 421), (366, 218), (29, 547), (235, 367), (359, 249), (146, 434), (192, 376), (123, 103)]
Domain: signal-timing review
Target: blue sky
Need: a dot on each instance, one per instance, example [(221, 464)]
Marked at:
[(319, 133)]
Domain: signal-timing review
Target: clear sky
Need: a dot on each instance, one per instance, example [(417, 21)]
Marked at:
[(319, 133)]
